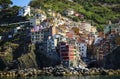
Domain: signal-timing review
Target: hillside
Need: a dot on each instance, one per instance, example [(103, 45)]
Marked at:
[(98, 12)]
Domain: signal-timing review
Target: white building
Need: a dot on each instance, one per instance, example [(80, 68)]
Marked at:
[(37, 19), (85, 26), (24, 11), (82, 47), (34, 22), (37, 35), (41, 17), (98, 40), (51, 44), (69, 12)]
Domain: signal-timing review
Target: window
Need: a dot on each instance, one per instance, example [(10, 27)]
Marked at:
[(32, 39), (82, 53), (117, 30), (38, 33), (42, 32), (82, 49), (32, 33), (42, 35), (34, 36)]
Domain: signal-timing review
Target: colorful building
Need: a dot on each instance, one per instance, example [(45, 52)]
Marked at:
[(68, 54)]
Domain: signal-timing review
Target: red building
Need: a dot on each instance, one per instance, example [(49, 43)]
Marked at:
[(67, 54)]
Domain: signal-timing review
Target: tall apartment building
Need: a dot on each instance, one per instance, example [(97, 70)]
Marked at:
[(37, 34), (68, 55)]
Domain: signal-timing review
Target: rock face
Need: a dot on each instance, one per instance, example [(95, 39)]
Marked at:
[(58, 71), (17, 59), (25, 57), (27, 61), (5, 58), (112, 59)]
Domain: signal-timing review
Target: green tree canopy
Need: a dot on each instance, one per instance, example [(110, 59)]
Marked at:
[(5, 3)]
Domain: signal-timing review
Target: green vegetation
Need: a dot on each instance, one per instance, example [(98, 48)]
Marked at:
[(94, 11), (5, 3), (101, 1), (8, 14)]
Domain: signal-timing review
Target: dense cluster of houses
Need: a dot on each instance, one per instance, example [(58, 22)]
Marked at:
[(61, 38), (58, 35), (106, 42)]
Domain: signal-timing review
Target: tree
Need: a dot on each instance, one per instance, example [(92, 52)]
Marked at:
[(14, 10), (5, 3)]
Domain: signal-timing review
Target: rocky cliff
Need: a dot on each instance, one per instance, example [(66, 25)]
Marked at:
[(112, 60), (27, 56), (17, 57)]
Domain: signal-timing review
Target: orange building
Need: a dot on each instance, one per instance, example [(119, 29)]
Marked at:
[(67, 54)]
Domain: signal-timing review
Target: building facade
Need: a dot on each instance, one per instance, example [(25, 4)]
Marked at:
[(51, 44), (24, 11), (37, 19), (67, 55), (37, 34), (82, 49)]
